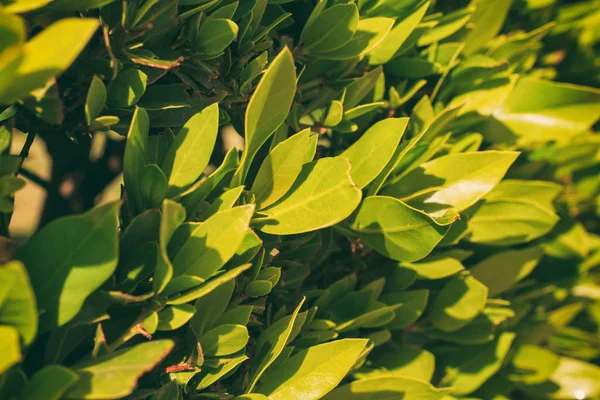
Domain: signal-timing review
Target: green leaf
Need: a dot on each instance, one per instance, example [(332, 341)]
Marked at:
[(13, 35), (47, 55), (541, 111), (413, 303), (227, 11), (454, 181), (334, 114), (103, 123), (210, 307), (22, 6), (268, 108), (317, 10), (369, 33), (224, 340), (312, 373), (239, 315), (376, 317), (487, 20), (280, 169), (408, 362), (356, 91), (115, 375), (208, 375), (435, 267), (369, 155), (392, 387), (413, 68), (570, 240), (571, 379), (504, 223), (503, 270), (213, 243), (225, 201), (49, 383), (458, 303), (171, 217), (252, 396), (258, 288), (446, 26), (271, 343), (95, 101), (69, 259), (203, 188), (363, 109), (170, 391), (396, 230), (209, 286), (477, 365), (331, 29), (248, 249), (153, 186), (215, 35), (541, 193), (174, 317), (386, 50), (127, 88), (10, 347), (17, 303), (480, 331), (76, 5), (190, 153), (322, 195), (134, 158), (532, 365)]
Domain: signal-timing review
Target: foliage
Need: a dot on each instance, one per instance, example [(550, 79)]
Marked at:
[(414, 214)]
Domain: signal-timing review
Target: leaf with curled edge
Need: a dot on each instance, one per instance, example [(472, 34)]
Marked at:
[(395, 229)]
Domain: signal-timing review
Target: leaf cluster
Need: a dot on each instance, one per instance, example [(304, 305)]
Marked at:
[(413, 211)]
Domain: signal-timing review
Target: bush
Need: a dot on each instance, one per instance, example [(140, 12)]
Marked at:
[(414, 213)]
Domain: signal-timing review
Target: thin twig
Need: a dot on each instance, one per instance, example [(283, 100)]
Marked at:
[(35, 178), (113, 59), (25, 151)]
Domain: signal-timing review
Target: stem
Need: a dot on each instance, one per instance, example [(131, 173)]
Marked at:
[(25, 151)]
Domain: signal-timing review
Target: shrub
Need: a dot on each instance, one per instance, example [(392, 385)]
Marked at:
[(414, 213)]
